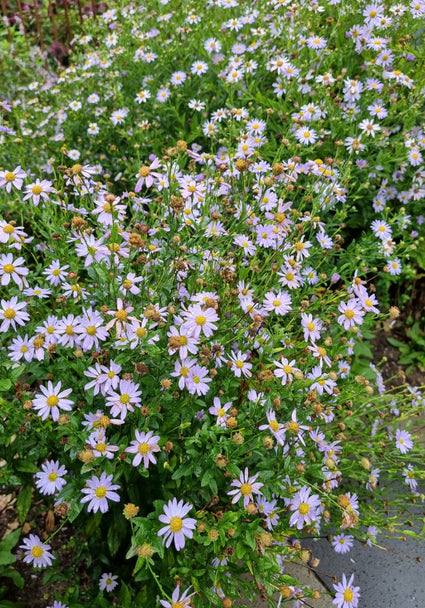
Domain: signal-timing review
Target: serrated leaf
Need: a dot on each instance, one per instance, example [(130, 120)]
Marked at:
[(5, 384), (124, 597)]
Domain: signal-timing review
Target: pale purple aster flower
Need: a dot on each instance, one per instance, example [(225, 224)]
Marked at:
[(57, 604), (352, 313), (342, 543), (51, 400), (124, 399), (99, 446), (246, 486), (220, 411), (306, 508), (178, 601), (36, 552), (311, 327), (240, 365), (277, 429), (371, 534), (178, 526), (12, 313), (96, 384), (347, 596), (91, 329), (146, 175), (181, 341), (21, 348), (322, 382), (403, 441), (66, 331), (285, 370), (279, 303), (109, 379), (197, 380), (13, 269), (12, 178), (143, 446), (409, 477), (198, 319), (50, 479), (39, 189), (108, 581), (98, 491)]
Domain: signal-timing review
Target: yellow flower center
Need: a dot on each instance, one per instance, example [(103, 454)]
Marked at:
[(100, 492), (184, 370), (53, 476), (69, 330), (36, 189), (200, 320), (141, 332), (24, 349), (111, 375), (9, 313), (37, 551), (221, 412), (287, 369), (177, 605), (8, 268), (349, 313), (274, 425), (348, 595), (127, 284), (8, 229), (304, 508), (9, 177), (321, 351), (125, 398), (310, 326), (100, 447), (107, 207), (196, 379), (91, 330), (143, 448), (277, 302), (246, 489), (144, 171), (176, 524), (294, 427), (121, 315), (52, 401), (239, 364)]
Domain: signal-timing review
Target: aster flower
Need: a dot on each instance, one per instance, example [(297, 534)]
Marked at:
[(178, 527), (403, 441), (347, 595), (199, 320), (14, 270), (108, 581), (220, 411), (51, 400), (342, 543), (57, 604), (279, 303), (178, 601), (277, 429), (50, 479), (143, 446), (285, 370), (98, 491), (352, 314), (126, 398), (306, 508), (13, 178), (12, 313), (246, 487), (36, 552)]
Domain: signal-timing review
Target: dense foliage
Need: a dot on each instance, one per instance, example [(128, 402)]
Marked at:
[(201, 219)]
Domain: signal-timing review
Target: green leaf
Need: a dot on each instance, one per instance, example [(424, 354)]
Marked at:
[(15, 576), (116, 534), (10, 540), (23, 503), (26, 467), (5, 384), (124, 597)]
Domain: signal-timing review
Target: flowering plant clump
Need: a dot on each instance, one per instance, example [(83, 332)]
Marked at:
[(190, 276)]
